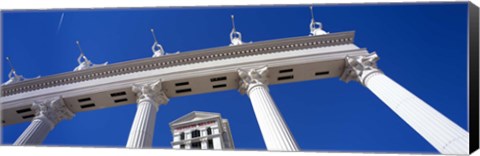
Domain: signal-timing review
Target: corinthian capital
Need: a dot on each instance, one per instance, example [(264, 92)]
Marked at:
[(152, 91), (252, 77), (359, 67), (52, 109)]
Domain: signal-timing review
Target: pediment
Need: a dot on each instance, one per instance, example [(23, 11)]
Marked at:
[(194, 116)]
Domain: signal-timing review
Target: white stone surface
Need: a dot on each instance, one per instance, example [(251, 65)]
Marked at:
[(443, 134), (274, 130), (150, 95), (217, 143), (204, 143), (47, 114), (35, 133)]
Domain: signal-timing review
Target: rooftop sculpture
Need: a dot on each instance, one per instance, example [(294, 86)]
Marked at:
[(235, 36), (315, 27), (13, 76), (157, 48), (85, 64)]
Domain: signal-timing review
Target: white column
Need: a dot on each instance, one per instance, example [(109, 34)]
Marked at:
[(188, 145), (274, 130), (47, 114), (204, 143), (443, 134), (149, 96)]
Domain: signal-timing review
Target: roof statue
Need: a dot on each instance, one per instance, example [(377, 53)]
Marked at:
[(13, 77), (235, 36), (85, 64), (157, 48), (315, 27)]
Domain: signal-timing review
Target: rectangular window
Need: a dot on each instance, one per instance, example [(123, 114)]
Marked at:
[(182, 83), (285, 71), (183, 90), (219, 86), (24, 110), (87, 105), (210, 144), (120, 100), (195, 133), (28, 116), (285, 77), (182, 136), (84, 99), (322, 73), (196, 145), (215, 79), (118, 94), (182, 146)]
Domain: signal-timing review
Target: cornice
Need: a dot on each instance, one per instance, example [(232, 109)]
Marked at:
[(191, 57)]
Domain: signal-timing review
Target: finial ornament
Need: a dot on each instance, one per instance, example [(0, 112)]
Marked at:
[(157, 49), (235, 36), (315, 27), (85, 64), (13, 76)]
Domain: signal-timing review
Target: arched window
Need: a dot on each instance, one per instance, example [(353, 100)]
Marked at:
[(209, 131), (182, 136)]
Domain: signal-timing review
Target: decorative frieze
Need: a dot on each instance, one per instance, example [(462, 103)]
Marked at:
[(186, 58)]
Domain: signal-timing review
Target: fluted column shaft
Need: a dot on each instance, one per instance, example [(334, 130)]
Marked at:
[(443, 134), (47, 114), (149, 97), (275, 132), (141, 134), (446, 136), (35, 133)]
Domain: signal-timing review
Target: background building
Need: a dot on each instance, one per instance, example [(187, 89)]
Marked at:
[(201, 130)]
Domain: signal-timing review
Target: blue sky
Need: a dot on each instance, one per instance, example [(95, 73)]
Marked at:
[(423, 47)]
